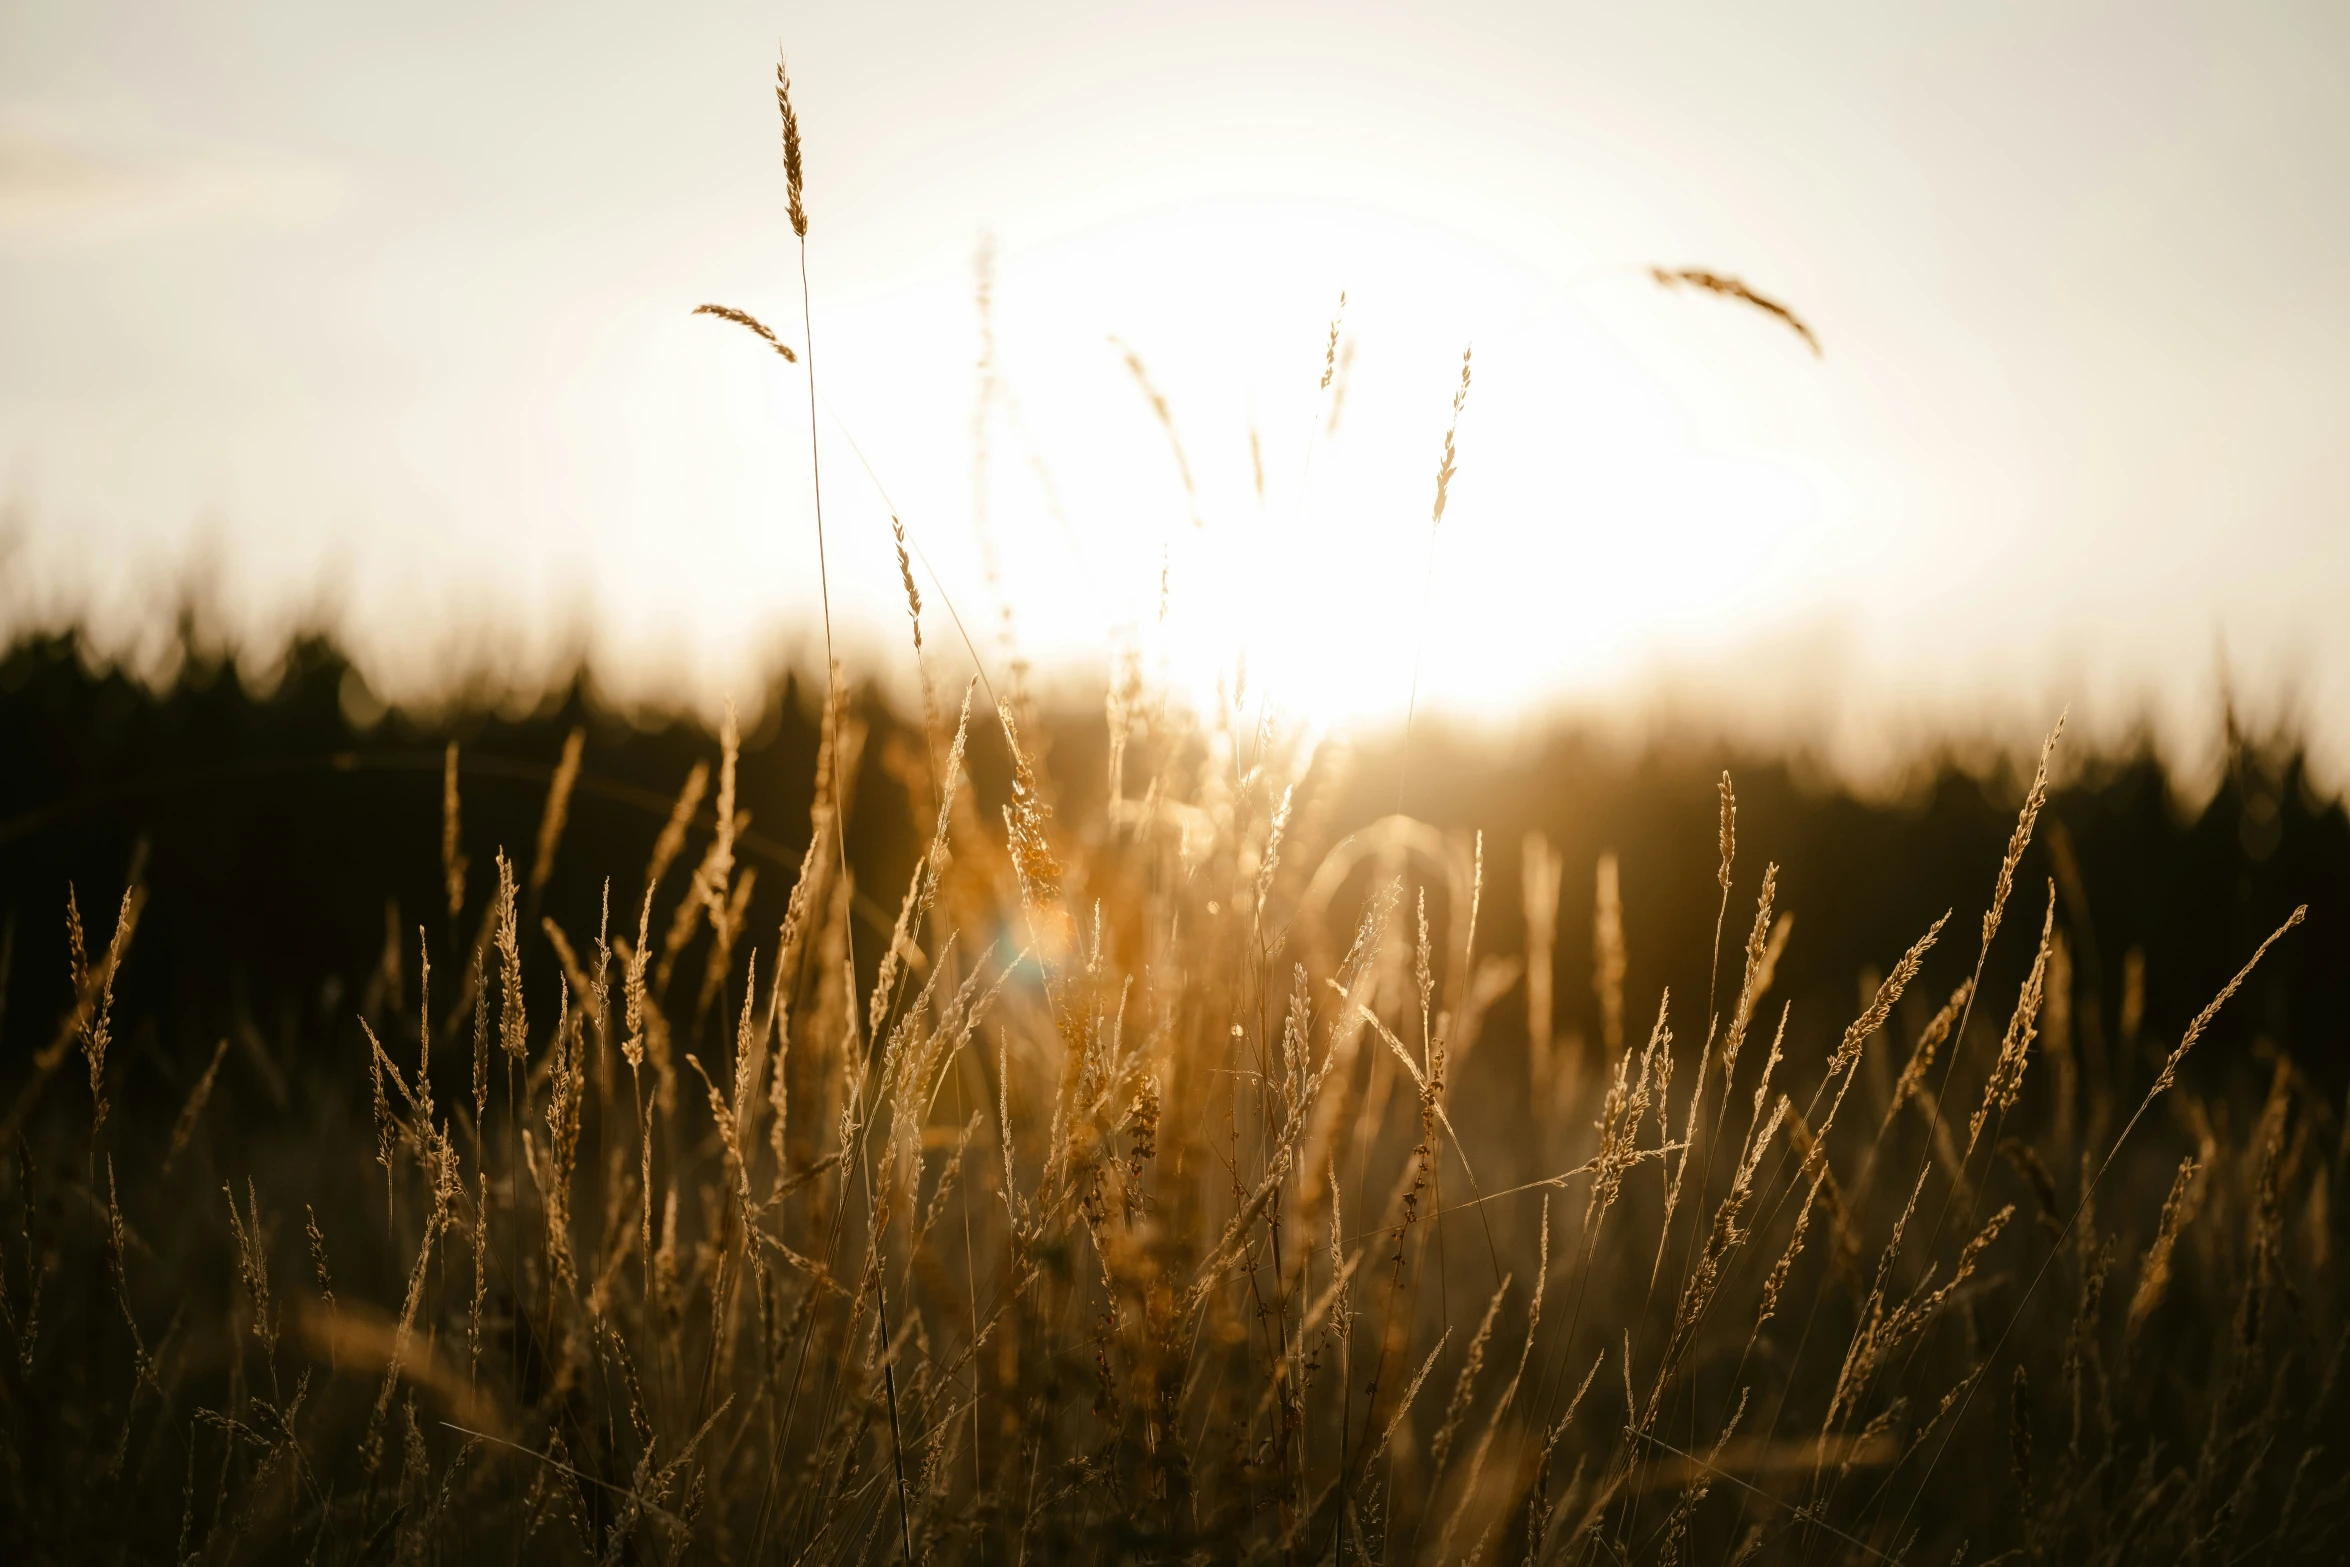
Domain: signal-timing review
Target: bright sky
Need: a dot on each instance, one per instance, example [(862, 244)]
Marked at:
[(386, 309)]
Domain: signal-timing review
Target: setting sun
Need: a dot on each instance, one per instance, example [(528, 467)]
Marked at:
[(392, 378)]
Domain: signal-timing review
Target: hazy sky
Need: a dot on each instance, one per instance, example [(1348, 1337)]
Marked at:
[(386, 309)]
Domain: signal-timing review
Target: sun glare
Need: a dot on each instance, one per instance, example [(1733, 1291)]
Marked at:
[(1261, 522)]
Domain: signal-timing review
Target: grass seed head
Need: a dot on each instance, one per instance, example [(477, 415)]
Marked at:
[(793, 175)]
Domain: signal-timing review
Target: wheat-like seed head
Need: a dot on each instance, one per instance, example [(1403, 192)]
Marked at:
[(793, 175), (1166, 417), (2034, 798), (1729, 833), (253, 1264), (752, 324), (1750, 987), (2170, 1066), (1330, 350), (1024, 821), (513, 1017), (2154, 1274), (318, 1268), (1446, 469), (1464, 1389), (1937, 1029), (681, 816), (1338, 386), (92, 1019), (906, 579), (2007, 1072), (1731, 288), (1776, 1282), (1880, 1006), (558, 810)]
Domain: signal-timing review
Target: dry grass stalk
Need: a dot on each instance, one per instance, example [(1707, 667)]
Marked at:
[(319, 1272), (794, 176), (1729, 830), (1880, 1007), (1039, 870), (751, 324), (253, 1266), (2007, 1072), (557, 811), (1607, 957), (118, 1266), (914, 621), (1730, 288), (193, 1110), (1403, 1407), (2034, 798), (2057, 1026), (1811, 1144), (681, 818), (1448, 467), (1472, 1363), (1921, 1057), (1540, 876), (513, 1016), (716, 872), (2202, 1020), (91, 1022), (1755, 981), (1773, 951), (1621, 1113), (2178, 1210), (1330, 350), (1338, 386), (453, 863), (1166, 418), (2019, 1431), (1812, 1149)]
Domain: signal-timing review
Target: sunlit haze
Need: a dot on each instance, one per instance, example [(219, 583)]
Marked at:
[(306, 311)]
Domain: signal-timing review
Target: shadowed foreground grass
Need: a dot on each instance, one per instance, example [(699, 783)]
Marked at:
[(1133, 1198)]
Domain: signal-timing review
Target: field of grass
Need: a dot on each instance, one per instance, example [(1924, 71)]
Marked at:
[(1012, 1135), (1175, 1158)]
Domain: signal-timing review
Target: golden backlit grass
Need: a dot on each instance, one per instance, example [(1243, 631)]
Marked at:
[(1124, 1208), (1119, 1199)]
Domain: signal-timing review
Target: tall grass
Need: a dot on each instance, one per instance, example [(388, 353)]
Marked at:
[(1124, 1203), (1145, 1127)]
